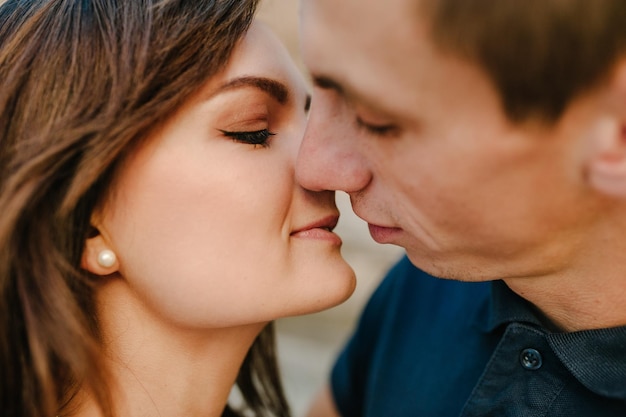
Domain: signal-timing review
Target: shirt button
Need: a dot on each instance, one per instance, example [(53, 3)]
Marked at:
[(531, 359)]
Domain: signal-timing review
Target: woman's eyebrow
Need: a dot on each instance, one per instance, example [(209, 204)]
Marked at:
[(276, 89)]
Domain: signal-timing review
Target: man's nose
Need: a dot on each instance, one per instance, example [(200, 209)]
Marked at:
[(329, 157)]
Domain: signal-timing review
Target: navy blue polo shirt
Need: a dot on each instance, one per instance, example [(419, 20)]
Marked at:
[(431, 347)]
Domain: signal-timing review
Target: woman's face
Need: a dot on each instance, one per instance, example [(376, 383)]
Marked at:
[(208, 224)]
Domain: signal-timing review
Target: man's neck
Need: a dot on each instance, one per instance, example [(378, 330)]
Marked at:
[(589, 294)]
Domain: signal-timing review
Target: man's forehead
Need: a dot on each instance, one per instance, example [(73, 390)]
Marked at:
[(358, 27), (348, 48), (365, 14)]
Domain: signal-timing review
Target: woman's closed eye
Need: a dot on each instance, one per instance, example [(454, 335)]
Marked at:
[(257, 137)]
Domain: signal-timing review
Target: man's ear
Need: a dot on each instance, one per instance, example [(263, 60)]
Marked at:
[(607, 162), (98, 258)]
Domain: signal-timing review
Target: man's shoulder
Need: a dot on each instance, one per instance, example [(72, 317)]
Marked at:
[(422, 305), (409, 333), (406, 284)]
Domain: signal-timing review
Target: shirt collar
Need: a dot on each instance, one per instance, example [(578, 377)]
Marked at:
[(507, 307), (596, 358)]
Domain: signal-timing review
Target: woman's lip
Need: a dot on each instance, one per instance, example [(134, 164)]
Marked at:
[(382, 234), (321, 229), (318, 233), (328, 223)]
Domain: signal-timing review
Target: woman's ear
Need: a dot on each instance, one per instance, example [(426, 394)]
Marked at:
[(98, 258), (607, 162)]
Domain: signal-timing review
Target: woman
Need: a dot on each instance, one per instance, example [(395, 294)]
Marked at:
[(151, 226)]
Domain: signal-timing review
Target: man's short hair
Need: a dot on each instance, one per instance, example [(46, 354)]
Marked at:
[(540, 54)]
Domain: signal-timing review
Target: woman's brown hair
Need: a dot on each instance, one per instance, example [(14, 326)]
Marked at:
[(83, 82)]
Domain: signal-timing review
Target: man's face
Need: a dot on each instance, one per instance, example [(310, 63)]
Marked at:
[(419, 140)]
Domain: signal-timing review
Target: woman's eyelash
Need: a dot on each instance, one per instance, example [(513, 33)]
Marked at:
[(258, 137)]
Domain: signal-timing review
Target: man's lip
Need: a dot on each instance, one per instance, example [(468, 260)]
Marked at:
[(383, 234), (327, 223)]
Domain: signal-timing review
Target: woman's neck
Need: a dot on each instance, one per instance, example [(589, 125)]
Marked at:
[(159, 369)]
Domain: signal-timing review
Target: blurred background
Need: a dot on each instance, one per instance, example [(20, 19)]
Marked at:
[(307, 345)]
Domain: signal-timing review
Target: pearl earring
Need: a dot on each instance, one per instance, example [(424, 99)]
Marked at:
[(106, 258)]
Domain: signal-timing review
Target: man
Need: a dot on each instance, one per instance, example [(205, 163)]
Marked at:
[(488, 138)]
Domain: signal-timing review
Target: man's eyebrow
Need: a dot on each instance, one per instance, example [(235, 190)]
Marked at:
[(347, 91), (276, 89), (327, 83), (344, 89)]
